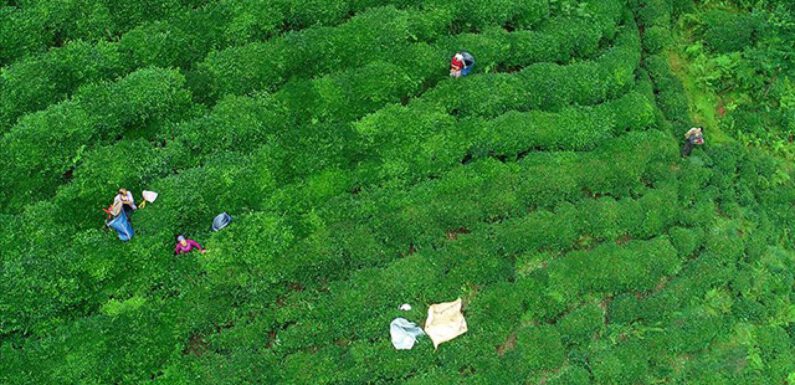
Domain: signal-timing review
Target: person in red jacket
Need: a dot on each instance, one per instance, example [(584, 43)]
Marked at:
[(456, 65), (185, 246)]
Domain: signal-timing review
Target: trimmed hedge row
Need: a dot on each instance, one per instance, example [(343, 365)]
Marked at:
[(547, 85), (190, 195), (611, 269), (96, 348), (373, 36), (483, 257), (284, 116), (34, 82), (93, 185), (570, 129), (604, 78), (37, 154), (655, 16), (439, 142), (438, 275), (32, 27), (588, 222), (398, 220)]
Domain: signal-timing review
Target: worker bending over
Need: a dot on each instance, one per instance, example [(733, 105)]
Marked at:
[(693, 137), (457, 65), (185, 246)]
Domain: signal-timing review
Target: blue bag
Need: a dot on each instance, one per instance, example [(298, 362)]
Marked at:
[(122, 225), (220, 221), (469, 63)]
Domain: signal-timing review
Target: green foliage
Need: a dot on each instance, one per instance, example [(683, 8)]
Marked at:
[(545, 189), (727, 31), (32, 84), (48, 144), (539, 347), (624, 364), (685, 240), (579, 326)]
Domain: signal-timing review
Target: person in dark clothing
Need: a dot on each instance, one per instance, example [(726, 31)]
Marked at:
[(693, 137)]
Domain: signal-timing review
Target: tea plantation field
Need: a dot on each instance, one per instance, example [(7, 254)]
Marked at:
[(546, 189)]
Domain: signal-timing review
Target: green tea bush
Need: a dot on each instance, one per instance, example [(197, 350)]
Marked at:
[(156, 96), (655, 39), (36, 147), (670, 94), (693, 331), (546, 190), (144, 101), (572, 375), (32, 84), (694, 281), (540, 347), (32, 27), (102, 171), (686, 240), (727, 31), (179, 40), (623, 309), (624, 364), (371, 35), (570, 129), (580, 326), (241, 69), (353, 320), (655, 12), (199, 194)]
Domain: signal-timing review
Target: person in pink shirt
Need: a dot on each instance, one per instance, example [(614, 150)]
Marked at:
[(185, 246)]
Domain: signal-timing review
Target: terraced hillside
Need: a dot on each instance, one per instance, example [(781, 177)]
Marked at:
[(546, 189)]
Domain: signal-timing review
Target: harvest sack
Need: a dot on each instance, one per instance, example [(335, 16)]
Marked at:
[(469, 63), (121, 224), (404, 333), (221, 220), (445, 322), (149, 196)]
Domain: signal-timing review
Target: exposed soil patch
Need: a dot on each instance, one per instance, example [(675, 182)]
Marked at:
[(197, 345), (271, 339), (295, 286), (453, 234), (67, 176), (508, 345)]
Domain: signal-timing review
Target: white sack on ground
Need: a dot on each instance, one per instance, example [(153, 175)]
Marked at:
[(404, 333), (445, 322), (149, 196)]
